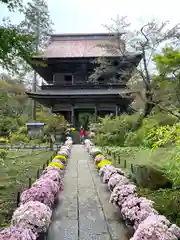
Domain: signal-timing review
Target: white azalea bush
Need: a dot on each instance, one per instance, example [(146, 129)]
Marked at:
[(136, 211), (33, 216)]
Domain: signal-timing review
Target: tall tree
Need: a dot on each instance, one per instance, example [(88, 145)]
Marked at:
[(147, 40), (166, 82), (12, 4), (37, 23), (15, 44)]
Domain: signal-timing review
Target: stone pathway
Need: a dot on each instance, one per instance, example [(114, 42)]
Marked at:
[(84, 211)]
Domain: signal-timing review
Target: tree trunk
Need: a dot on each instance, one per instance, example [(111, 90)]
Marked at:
[(149, 105)]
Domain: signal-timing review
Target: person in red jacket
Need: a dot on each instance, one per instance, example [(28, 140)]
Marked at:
[(82, 134)]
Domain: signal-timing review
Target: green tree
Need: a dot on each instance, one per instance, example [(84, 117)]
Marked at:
[(166, 82), (15, 44), (37, 23), (12, 4), (147, 41)]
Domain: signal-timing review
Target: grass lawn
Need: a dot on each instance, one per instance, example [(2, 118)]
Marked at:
[(167, 201), (18, 167)]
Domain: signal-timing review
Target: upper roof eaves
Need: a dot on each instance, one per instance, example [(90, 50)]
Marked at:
[(80, 36)]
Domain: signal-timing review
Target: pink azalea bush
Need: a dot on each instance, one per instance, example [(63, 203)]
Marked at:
[(63, 152), (32, 215), (109, 172), (155, 227), (15, 233), (53, 175), (41, 193), (105, 168), (53, 168), (121, 192), (88, 145), (117, 179), (135, 210), (98, 159), (49, 184), (175, 230)]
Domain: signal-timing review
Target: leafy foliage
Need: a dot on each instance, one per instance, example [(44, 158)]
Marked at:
[(167, 81), (166, 202), (119, 131), (37, 23), (54, 123), (112, 131), (15, 109), (163, 136), (3, 153), (12, 98), (15, 44), (19, 42), (12, 4)]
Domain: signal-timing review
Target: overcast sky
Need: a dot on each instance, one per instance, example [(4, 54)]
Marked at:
[(80, 16)]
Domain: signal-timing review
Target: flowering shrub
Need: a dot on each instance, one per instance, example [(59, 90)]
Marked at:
[(109, 172), (136, 211), (105, 168), (99, 158), (53, 175), (121, 192), (52, 168), (60, 157), (33, 216), (56, 164), (103, 162), (38, 193), (59, 161), (88, 144), (117, 179), (155, 227), (63, 152), (95, 151), (48, 183), (15, 233)]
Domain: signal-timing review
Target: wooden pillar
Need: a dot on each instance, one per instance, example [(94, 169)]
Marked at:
[(95, 111), (72, 115), (117, 110)]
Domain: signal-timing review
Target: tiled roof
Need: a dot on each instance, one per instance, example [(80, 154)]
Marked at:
[(64, 46)]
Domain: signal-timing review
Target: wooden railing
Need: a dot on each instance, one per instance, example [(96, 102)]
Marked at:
[(82, 86)]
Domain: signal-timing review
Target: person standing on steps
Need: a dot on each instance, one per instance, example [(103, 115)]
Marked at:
[(82, 134)]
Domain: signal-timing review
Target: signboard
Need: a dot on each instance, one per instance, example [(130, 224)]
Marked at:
[(35, 128)]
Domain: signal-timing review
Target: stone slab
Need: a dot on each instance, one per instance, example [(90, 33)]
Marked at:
[(66, 230), (84, 211)]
